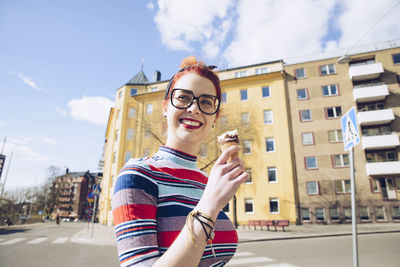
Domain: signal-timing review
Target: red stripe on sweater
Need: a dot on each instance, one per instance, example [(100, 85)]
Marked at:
[(182, 174), (165, 239), (131, 212)]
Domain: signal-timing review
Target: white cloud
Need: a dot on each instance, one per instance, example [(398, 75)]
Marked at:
[(49, 141), (150, 5), (61, 111), (29, 81), (372, 22), (94, 109), (2, 123), (182, 23), (23, 150)]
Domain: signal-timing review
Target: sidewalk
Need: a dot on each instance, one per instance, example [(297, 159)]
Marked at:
[(104, 235)]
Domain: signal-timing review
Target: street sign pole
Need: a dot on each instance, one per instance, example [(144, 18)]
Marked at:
[(353, 209), (93, 214)]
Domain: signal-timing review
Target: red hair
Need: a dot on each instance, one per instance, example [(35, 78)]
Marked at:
[(191, 65)]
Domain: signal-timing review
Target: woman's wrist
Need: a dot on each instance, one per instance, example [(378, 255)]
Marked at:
[(208, 208)]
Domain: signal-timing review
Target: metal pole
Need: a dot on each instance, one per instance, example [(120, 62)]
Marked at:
[(94, 214), (353, 209), (4, 143), (5, 178)]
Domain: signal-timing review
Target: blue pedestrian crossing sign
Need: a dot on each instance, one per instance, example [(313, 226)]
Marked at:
[(96, 190), (351, 134)]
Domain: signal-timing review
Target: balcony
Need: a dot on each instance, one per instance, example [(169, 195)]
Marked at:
[(375, 117), (370, 93), (383, 168), (365, 71), (384, 141)]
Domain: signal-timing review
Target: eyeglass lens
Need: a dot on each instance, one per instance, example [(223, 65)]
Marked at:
[(207, 104)]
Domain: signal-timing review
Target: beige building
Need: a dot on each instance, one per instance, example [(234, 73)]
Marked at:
[(320, 91)]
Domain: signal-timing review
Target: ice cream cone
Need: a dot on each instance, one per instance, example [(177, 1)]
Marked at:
[(229, 139)]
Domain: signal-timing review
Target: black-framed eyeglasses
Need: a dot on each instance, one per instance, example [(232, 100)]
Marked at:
[(183, 99)]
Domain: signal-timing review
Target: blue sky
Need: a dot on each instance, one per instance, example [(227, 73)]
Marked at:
[(62, 61)]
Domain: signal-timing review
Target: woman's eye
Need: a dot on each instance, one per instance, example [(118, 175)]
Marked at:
[(184, 98), (206, 102)]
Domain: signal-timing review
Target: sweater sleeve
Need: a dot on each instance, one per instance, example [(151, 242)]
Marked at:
[(134, 207)]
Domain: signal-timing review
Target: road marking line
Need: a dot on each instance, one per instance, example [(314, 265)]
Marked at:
[(12, 241), (60, 240), (243, 254), (278, 265), (1, 239), (249, 260), (37, 240)]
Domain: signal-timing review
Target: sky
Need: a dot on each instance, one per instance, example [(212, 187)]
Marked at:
[(61, 62)]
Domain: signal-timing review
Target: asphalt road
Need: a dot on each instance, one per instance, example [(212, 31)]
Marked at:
[(49, 245)]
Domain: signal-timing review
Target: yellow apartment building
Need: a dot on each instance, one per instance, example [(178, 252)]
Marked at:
[(254, 101), (321, 90)]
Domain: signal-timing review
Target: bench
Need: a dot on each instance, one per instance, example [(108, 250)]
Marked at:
[(268, 223)]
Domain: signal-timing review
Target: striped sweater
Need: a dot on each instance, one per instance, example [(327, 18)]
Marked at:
[(152, 198)]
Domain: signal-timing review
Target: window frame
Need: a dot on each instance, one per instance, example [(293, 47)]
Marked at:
[(272, 116), (271, 199), (330, 91), (368, 211), (135, 90), (371, 182), (335, 112), (316, 163), (301, 117), (248, 201), (149, 108), (316, 216), (333, 157), (250, 172), (247, 95), (306, 92), (241, 74), (391, 210), (273, 144), (309, 215), (130, 133), (384, 214), (337, 212), (131, 113), (393, 58), (269, 91), (336, 135), (296, 73), (244, 146), (275, 169), (328, 71), (262, 70), (343, 186), (245, 118), (224, 97), (317, 187), (313, 139)]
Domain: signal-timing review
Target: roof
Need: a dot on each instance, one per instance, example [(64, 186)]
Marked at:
[(139, 78)]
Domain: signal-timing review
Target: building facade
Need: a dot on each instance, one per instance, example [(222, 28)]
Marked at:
[(320, 92)]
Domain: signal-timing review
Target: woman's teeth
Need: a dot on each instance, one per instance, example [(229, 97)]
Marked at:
[(191, 123)]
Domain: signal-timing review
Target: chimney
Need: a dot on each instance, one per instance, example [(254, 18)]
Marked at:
[(157, 76), (67, 171)]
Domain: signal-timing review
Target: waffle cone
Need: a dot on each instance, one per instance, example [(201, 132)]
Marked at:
[(229, 144)]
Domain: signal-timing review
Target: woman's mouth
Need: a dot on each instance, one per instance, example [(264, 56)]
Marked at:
[(190, 123)]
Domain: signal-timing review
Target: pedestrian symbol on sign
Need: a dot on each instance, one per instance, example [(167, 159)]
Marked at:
[(351, 135)]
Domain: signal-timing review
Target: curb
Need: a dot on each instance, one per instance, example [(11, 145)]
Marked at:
[(82, 239), (315, 236)]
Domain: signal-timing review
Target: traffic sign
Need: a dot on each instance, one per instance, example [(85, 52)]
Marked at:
[(96, 190), (351, 134)]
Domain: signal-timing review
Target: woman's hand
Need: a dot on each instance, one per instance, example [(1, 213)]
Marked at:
[(223, 182)]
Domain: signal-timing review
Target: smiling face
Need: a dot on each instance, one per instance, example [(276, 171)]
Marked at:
[(187, 128)]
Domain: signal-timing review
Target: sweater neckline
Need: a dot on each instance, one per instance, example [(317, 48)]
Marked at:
[(178, 157)]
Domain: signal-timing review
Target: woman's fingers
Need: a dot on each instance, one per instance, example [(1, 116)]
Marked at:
[(226, 154)]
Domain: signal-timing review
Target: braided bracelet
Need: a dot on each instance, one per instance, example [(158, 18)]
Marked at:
[(210, 236)]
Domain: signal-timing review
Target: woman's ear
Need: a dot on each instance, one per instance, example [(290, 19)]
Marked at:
[(165, 107)]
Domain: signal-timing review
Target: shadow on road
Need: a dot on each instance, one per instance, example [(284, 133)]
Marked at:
[(7, 231)]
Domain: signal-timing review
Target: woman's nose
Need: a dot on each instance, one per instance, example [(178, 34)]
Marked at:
[(194, 108)]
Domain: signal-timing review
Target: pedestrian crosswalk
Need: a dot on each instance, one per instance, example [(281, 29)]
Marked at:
[(34, 241), (244, 258)]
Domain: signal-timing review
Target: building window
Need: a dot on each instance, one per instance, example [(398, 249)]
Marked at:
[(250, 180), (147, 130), (240, 74), (149, 108), (129, 134), (224, 98), (302, 94), (305, 214), (330, 90), (376, 130), (248, 205), (396, 58), (134, 91), (268, 117), (203, 151), (119, 94), (342, 186), (154, 89), (381, 156), (226, 208), (311, 162), (370, 106), (266, 91), (114, 157), (307, 138), (305, 115), (223, 122), (300, 73), (132, 113), (396, 212), (262, 70), (397, 182), (116, 135), (333, 112), (274, 205), (341, 160), (245, 118), (243, 95), (128, 155), (335, 136), (374, 185), (246, 147), (270, 144), (347, 214), (333, 214), (327, 69), (320, 214), (380, 213), (364, 214), (313, 188), (272, 175)]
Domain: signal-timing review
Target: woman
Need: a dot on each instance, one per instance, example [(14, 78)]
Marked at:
[(166, 211)]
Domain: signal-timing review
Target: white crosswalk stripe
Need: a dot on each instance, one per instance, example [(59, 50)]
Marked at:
[(60, 240), (12, 241), (249, 260), (1, 239), (37, 240), (245, 258)]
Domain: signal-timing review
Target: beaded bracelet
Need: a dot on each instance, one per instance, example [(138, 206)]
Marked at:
[(210, 235)]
